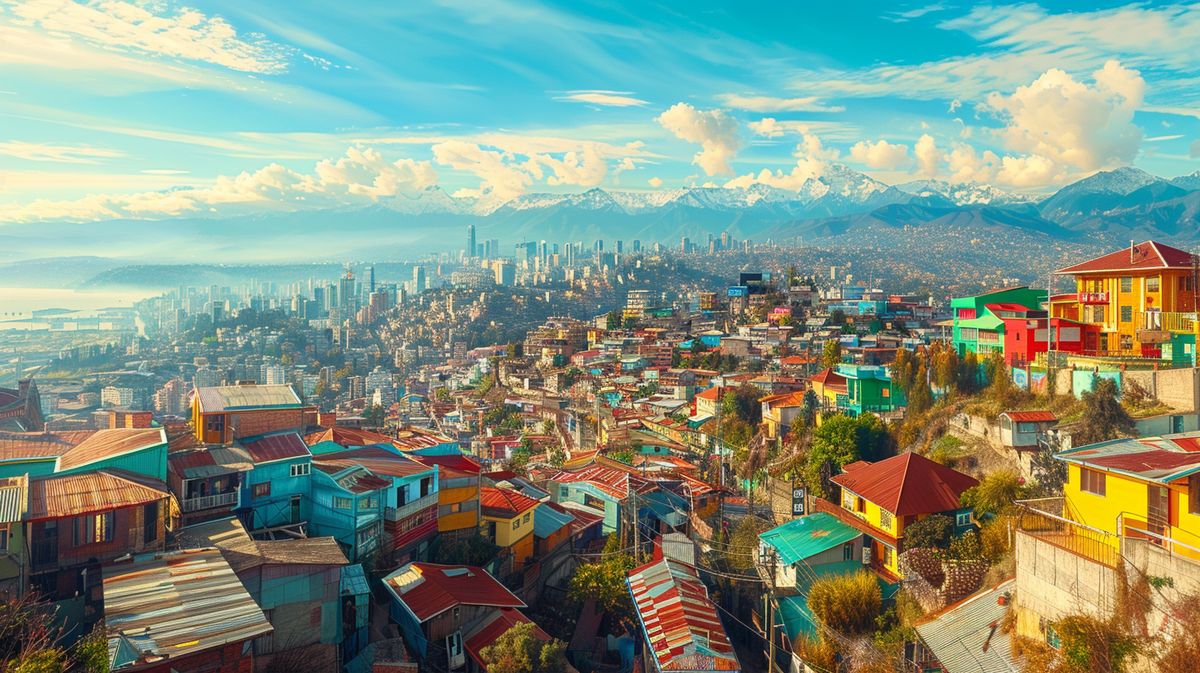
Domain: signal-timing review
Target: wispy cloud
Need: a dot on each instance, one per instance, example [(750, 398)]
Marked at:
[(601, 97), (65, 154), (756, 103), (915, 13)]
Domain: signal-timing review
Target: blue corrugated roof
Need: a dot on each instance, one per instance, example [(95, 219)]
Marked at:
[(354, 581), (808, 535), (548, 521)]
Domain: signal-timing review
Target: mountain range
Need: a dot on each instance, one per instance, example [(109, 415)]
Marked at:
[(842, 205)]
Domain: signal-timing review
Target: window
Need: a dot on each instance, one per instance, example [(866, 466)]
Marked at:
[(426, 486), (885, 519), (860, 505), (1126, 314), (969, 334), (214, 423), (1126, 342), (402, 495), (962, 519), (262, 490), (150, 522), (564, 492), (1052, 638), (1194, 494), (1152, 284), (1126, 283), (369, 502), (341, 503), (848, 551), (94, 528), (1098, 314), (4, 528), (525, 519), (1091, 481), (301, 469), (516, 524)]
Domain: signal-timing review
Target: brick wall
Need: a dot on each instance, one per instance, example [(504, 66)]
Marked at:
[(260, 422)]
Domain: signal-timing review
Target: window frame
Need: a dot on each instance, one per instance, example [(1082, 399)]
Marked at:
[(1194, 494), (300, 469), (339, 500), (261, 489), (1093, 481)]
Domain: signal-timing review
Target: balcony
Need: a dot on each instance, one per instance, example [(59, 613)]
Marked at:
[(1166, 321), (210, 501), (1046, 520), (410, 508)]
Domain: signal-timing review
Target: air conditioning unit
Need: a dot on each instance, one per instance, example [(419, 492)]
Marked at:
[(866, 556)]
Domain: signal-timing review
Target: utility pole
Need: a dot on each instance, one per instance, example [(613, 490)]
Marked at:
[(771, 617)]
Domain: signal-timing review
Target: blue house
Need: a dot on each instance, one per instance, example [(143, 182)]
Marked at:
[(138, 450), (277, 490), (348, 503)]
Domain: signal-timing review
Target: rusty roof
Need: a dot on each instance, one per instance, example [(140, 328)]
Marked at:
[(381, 461), (35, 445), (504, 502), (353, 477), (908, 484), (202, 462), (246, 397), (276, 446), (110, 443), (162, 607), (1031, 416), (14, 498), (681, 622), (1159, 459), (91, 492)]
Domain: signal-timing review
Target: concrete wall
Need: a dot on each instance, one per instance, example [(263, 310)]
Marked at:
[(1053, 583)]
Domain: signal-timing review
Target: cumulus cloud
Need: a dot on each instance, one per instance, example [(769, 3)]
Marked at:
[(600, 97), (714, 130), (183, 33), (954, 105), (507, 172), (754, 103), (655, 182), (812, 158), (361, 175), (929, 157), (1022, 172), (65, 154), (880, 154), (1071, 123)]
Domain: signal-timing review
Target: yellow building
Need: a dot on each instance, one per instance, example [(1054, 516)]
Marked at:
[(508, 518), (881, 499), (1147, 488), (1142, 299), (458, 493)]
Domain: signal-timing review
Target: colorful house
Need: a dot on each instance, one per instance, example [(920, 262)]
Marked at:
[(276, 491), (14, 501), (979, 329), (607, 489), (869, 389), (1139, 302), (880, 499), (508, 521), (138, 450), (682, 628), (223, 414), (437, 605), (348, 503), (780, 411), (208, 480), (458, 493)]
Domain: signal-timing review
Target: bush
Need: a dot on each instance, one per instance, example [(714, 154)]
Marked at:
[(848, 604), (931, 532), (995, 493)]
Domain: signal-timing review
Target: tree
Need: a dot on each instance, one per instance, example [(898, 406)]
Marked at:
[(848, 604), (1103, 416), (933, 532), (995, 493), (743, 543), (831, 354), (904, 370), (604, 581), (475, 550), (833, 445), (521, 650), (1049, 472)]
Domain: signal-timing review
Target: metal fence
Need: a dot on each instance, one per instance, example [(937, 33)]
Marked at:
[(1044, 519)]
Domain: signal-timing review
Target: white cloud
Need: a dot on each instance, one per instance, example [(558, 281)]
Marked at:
[(1194, 149), (812, 158), (880, 154), (66, 154), (600, 97), (954, 105), (655, 182), (755, 103), (915, 13), (1023, 172), (184, 33), (769, 127), (714, 130), (1071, 123), (929, 157), (362, 175)]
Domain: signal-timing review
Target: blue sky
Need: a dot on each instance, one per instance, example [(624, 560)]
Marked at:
[(163, 109)]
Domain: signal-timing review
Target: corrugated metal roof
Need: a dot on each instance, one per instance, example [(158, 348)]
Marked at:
[(33, 445), (14, 498), (354, 477), (245, 397), (429, 589), (806, 536), (1031, 416), (1159, 459), (547, 521), (278, 446), (76, 494), (160, 607), (504, 502), (968, 637), (109, 443), (1143, 256), (209, 462), (681, 623), (381, 461), (908, 484)]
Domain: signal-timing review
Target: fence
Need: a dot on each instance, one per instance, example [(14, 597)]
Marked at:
[(1044, 519)]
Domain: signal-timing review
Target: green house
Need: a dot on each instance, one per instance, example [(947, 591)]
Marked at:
[(869, 389), (978, 330)]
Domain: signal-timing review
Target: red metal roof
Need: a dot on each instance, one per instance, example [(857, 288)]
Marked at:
[(429, 589), (499, 623), (908, 484), (282, 446), (456, 462), (1155, 459), (90, 492), (381, 461), (681, 623), (504, 502), (1145, 256), (1031, 416)]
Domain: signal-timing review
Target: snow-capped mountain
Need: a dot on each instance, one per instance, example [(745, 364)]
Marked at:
[(962, 193), (1189, 182)]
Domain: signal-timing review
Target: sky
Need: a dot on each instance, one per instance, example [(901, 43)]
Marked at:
[(117, 109)]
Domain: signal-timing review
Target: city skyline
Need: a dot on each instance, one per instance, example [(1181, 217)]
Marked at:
[(118, 111)]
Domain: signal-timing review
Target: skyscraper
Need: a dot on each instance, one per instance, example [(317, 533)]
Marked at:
[(419, 282), (470, 240), (372, 281), (347, 293)]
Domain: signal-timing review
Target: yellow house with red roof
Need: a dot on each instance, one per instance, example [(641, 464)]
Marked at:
[(508, 518)]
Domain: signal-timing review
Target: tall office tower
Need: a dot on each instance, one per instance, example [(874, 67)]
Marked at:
[(471, 240), (620, 246), (637, 245), (598, 246), (347, 294), (419, 282), (725, 240), (543, 251), (685, 244), (372, 281)]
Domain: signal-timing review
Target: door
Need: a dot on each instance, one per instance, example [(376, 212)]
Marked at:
[(1158, 510), (295, 509)]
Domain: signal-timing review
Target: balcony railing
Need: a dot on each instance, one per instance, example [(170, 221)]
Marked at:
[(1169, 322), (210, 501), (408, 509), (1044, 519)]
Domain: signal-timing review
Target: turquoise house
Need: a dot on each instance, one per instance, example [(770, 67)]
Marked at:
[(277, 491), (348, 504), (138, 450), (869, 388)]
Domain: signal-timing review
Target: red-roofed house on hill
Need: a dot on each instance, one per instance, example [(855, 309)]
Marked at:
[(881, 499), (508, 521), (1141, 302), (438, 606), (223, 414), (683, 631)]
